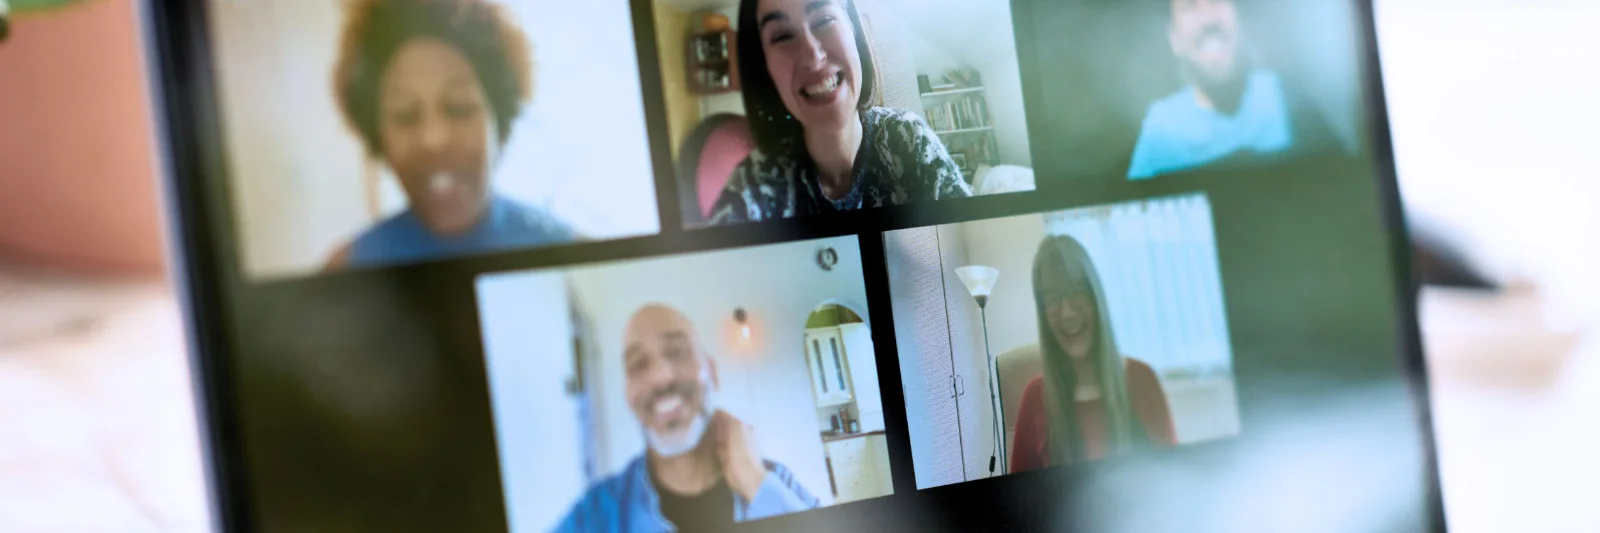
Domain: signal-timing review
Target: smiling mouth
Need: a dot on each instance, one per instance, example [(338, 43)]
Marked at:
[(1215, 39), (442, 182), (822, 91), (668, 405)]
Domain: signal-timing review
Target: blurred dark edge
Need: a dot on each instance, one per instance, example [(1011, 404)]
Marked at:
[(1441, 259)]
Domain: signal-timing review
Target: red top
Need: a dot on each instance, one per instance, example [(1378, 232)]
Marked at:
[(1032, 448)]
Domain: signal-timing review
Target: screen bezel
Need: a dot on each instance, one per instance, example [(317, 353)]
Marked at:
[(205, 266)]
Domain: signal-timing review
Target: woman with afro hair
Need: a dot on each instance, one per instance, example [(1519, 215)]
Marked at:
[(432, 88)]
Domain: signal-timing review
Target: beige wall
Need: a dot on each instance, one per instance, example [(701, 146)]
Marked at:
[(275, 60), (683, 109)]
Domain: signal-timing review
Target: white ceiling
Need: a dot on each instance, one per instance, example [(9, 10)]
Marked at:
[(974, 31)]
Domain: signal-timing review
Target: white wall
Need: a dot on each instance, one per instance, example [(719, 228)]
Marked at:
[(528, 351), (580, 148), (1008, 244), (296, 170), (1493, 108)]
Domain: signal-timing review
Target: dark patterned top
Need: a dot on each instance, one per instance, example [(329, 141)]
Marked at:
[(901, 160)]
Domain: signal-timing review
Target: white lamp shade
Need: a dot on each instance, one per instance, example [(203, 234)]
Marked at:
[(979, 279)]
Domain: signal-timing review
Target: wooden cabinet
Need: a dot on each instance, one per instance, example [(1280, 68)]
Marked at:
[(828, 360), (713, 62), (863, 375), (859, 467), (840, 357)]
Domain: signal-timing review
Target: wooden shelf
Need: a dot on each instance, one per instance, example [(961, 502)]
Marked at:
[(961, 119), (965, 130), (838, 436), (723, 66), (967, 90)]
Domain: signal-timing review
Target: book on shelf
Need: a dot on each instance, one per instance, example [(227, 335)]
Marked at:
[(964, 113)]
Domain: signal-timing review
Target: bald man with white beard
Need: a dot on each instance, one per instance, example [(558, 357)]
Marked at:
[(700, 471)]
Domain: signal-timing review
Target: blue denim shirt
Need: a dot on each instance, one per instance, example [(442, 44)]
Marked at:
[(628, 503)]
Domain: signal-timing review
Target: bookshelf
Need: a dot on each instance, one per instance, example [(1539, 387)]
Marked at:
[(966, 130), (960, 116), (948, 92)]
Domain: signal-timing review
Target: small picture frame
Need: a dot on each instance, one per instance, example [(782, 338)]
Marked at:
[(960, 159)]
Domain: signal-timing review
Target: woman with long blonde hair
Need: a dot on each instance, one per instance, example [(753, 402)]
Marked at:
[(1091, 401)]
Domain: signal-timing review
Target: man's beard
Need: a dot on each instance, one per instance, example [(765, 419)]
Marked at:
[(689, 437), (1226, 93), (1224, 89)]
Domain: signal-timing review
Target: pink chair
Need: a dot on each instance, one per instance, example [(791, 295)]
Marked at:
[(706, 161)]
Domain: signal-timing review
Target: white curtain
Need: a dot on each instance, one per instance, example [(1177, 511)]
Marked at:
[(1158, 263)]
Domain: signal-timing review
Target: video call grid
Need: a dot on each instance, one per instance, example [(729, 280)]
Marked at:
[(867, 225)]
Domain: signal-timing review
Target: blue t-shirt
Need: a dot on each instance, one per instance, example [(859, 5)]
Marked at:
[(1179, 134), (403, 238)]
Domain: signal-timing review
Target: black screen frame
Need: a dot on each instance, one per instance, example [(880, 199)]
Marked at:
[(207, 275)]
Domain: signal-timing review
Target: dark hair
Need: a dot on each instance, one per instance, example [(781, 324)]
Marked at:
[(1060, 376), (482, 31), (777, 132)]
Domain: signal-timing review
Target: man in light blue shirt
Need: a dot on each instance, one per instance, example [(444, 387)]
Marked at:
[(701, 471), (1227, 108)]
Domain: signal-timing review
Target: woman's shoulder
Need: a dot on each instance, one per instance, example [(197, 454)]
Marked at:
[(893, 122), (531, 222), (898, 133), (1136, 365), (379, 242), (762, 174), (892, 115), (1036, 383), (1139, 373), (762, 186), (1032, 395), (760, 165), (395, 227)]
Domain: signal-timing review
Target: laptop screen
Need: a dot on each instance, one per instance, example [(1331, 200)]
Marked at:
[(795, 265)]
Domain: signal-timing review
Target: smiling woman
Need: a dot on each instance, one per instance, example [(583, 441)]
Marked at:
[(433, 87), (821, 144)]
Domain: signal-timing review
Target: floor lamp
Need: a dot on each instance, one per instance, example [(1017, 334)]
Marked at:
[(980, 280)]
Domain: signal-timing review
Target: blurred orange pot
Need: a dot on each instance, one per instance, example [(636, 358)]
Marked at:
[(77, 170)]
